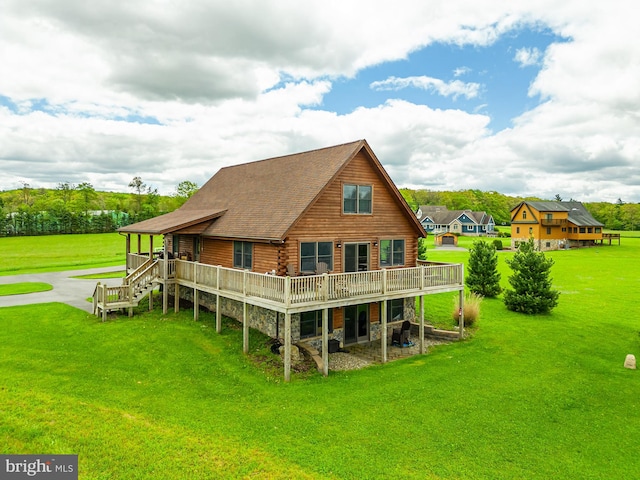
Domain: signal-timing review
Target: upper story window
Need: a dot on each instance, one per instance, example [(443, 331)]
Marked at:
[(356, 198), (524, 215), (313, 253), (391, 253), (242, 255)]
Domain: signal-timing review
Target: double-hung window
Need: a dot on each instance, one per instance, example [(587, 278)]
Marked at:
[(391, 253), (242, 255), (357, 198), (313, 253), (395, 310), (311, 323)]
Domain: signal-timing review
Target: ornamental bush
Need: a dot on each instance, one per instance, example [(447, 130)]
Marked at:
[(471, 309), (532, 292), (482, 270)]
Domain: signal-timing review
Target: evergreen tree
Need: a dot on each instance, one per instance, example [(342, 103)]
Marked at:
[(483, 277), (531, 283)]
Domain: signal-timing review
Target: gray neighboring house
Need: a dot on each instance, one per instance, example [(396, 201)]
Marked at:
[(437, 219)]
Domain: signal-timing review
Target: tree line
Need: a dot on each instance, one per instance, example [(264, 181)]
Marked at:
[(80, 208), (614, 216), (69, 208)]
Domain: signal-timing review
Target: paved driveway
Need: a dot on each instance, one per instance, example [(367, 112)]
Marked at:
[(73, 291)]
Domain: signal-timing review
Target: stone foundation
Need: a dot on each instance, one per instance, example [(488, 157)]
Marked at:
[(271, 323)]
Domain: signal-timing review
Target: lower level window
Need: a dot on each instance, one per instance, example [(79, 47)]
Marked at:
[(311, 323), (395, 310)]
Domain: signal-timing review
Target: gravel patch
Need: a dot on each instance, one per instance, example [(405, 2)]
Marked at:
[(341, 361)]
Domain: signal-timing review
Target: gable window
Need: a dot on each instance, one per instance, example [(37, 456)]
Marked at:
[(524, 215), (311, 323), (242, 255), (356, 198), (312, 253), (391, 253)]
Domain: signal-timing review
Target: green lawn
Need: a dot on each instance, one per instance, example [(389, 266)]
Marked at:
[(24, 287), (533, 397), (54, 253)]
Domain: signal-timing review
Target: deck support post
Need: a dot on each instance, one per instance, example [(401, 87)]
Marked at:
[(421, 327), (128, 249), (325, 341), (104, 302), (383, 339), (245, 328), (218, 312), (196, 294), (287, 347), (461, 315), (176, 298), (165, 275), (218, 315)]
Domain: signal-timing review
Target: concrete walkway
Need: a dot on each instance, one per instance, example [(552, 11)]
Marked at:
[(72, 291)]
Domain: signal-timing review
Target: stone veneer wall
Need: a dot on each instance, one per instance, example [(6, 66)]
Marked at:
[(271, 323), (541, 244)]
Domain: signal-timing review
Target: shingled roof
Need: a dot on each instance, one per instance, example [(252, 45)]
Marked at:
[(577, 213), (263, 199), (440, 215)]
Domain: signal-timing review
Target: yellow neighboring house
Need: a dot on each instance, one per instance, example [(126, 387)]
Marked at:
[(554, 225)]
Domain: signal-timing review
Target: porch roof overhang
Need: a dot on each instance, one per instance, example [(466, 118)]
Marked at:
[(172, 222)]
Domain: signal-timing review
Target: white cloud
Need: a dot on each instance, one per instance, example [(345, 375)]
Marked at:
[(453, 89), (528, 57)]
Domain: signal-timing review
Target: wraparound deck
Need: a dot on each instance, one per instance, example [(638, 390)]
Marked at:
[(287, 295)]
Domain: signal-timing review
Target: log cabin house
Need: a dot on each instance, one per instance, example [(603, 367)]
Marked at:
[(317, 247)]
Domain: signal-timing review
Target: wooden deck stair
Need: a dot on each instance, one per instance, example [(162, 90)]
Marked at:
[(135, 286)]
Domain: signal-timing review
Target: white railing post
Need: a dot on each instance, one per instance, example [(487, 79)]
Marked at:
[(287, 291), (244, 283), (383, 285), (325, 287)]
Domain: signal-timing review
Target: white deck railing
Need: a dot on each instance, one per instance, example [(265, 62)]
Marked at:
[(332, 287), (311, 289)]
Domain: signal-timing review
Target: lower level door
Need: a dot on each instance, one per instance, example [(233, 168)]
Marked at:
[(356, 324)]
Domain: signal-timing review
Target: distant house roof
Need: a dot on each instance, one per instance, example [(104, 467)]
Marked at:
[(577, 213), (440, 215), (264, 199)]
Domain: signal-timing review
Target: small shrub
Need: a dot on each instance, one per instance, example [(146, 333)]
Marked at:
[(497, 243), (471, 308)]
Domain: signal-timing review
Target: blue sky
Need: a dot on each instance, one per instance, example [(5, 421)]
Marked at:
[(525, 98), (501, 79)]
